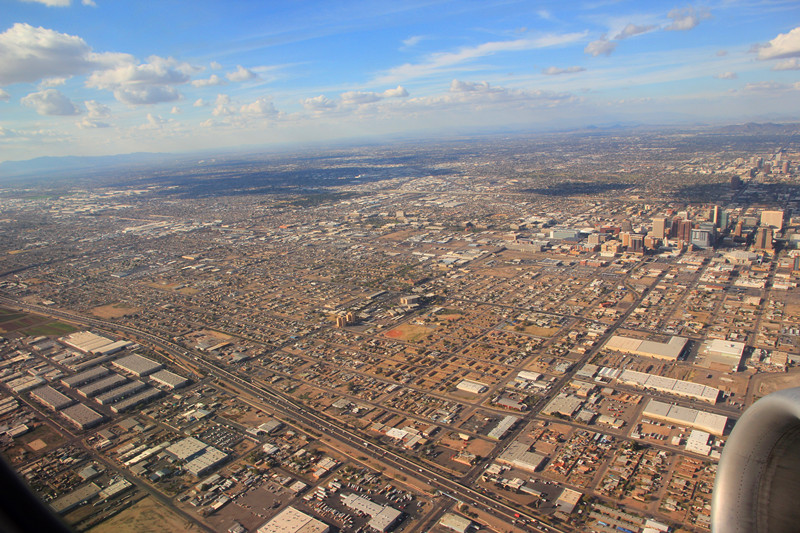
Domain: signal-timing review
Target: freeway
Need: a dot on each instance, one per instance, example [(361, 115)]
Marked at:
[(301, 414)]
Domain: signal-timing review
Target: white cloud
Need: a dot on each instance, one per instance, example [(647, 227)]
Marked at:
[(214, 65), (783, 46), (33, 53), (50, 102), (261, 107), (765, 86), (726, 76), (554, 71), (397, 92), (88, 124), (146, 95), (412, 41), (200, 103), (686, 18), (155, 121), (442, 61), (318, 103), (602, 46), (484, 93), (4, 96), (210, 82), (51, 3), (96, 109), (222, 106), (175, 110), (545, 14), (632, 29), (52, 82), (90, 3), (787, 64), (240, 74), (722, 53), (7, 133), (146, 83)]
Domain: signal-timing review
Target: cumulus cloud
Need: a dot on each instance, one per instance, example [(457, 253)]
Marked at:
[(146, 95), (318, 103), (201, 103), (765, 86), (90, 3), (89, 124), (214, 65), (50, 102), (175, 110), (96, 109), (686, 18), (52, 82), (484, 92), (222, 106), (261, 107), (632, 29), (554, 71), (33, 53), (145, 83), (726, 76), (4, 96), (785, 45), (358, 98), (787, 64), (209, 82), (240, 74), (601, 46)]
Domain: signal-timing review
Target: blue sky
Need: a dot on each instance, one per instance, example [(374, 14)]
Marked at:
[(95, 77)]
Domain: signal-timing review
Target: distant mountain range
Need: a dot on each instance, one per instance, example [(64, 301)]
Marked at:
[(65, 166), (48, 168)]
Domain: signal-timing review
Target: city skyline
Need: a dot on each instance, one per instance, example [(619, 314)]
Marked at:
[(95, 78)]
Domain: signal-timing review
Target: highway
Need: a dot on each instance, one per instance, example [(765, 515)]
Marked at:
[(299, 413)]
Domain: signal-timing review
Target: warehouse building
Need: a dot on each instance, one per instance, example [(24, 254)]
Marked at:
[(502, 427), (383, 517), (82, 416), (137, 365), (103, 385), (137, 399), (678, 387), (200, 458), (51, 398), (120, 393), (684, 416), (671, 350), (85, 377), (473, 387), (292, 520), (518, 455), (169, 379)]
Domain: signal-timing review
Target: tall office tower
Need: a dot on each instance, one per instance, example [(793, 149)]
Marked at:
[(715, 215), (738, 231), (724, 219), (626, 225), (685, 231), (736, 182), (763, 238), (675, 226), (636, 244), (659, 227), (772, 218), (785, 167), (625, 237)]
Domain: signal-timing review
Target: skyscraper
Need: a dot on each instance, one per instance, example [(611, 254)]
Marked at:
[(659, 227), (763, 238)]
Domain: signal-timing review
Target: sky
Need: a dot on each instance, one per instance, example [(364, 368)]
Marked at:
[(100, 77)]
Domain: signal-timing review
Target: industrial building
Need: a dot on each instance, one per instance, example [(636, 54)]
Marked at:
[(383, 517), (669, 385), (200, 457), (137, 365), (85, 377), (102, 385), (82, 416), (292, 520), (473, 387), (88, 342), (169, 379), (721, 352), (51, 398), (120, 393), (671, 350), (454, 522), (684, 416), (518, 456), (502, 427), (135, 400)]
